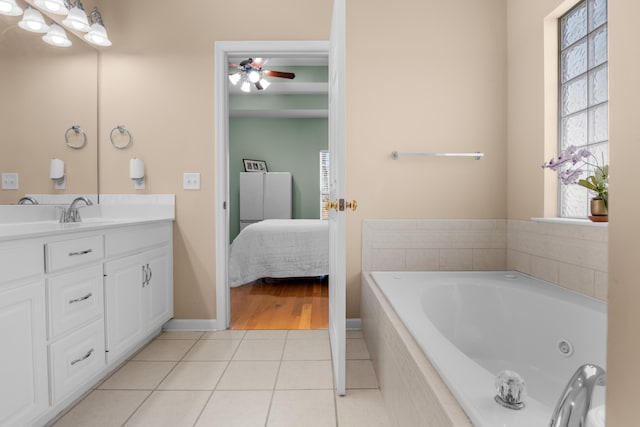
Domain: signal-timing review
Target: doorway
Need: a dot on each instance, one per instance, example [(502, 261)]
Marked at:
[(304, 299)]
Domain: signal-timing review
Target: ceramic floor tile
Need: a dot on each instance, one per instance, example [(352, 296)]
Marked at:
[(357, 349), (104, 408), (179, 335), (250, 375), (194, 376), (305, 375), (266, 335), (308, 408), (159, 350), (138, 376), (170, 409), (305, 349), (360, 374), (236, 409), (354, 334), (212, 350), (362, 408), (308, 334), (259, 350), (224, 335)]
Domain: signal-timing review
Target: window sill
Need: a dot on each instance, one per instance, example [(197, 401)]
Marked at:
[(571, 221)]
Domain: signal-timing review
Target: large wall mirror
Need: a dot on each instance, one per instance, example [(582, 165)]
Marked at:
[(46, 91)]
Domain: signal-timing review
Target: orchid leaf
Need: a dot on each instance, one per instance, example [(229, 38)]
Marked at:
[(587, 184)]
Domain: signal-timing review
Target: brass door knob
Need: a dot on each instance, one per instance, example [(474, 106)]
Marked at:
[(331, 205), (353, 205)]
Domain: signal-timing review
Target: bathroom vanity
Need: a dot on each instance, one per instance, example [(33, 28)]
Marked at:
[(76, 300)]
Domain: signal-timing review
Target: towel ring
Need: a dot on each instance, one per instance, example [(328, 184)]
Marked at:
[(123, 130), (77, 130)]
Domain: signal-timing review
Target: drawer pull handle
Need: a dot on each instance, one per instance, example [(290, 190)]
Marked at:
[(87, 296), (85, 357), (86, 251)]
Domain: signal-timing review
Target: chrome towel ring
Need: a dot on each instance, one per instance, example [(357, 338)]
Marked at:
[(77, 130), (123, 130)]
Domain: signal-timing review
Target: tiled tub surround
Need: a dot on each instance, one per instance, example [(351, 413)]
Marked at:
[(570, 255)]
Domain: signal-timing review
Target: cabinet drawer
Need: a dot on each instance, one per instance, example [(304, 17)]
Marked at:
[(18, 260), (74, 299), (69, 253), (135, 239), (75, 359)]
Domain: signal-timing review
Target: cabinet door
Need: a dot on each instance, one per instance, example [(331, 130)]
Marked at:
[(159, 298), (124, 289), (23, 359)]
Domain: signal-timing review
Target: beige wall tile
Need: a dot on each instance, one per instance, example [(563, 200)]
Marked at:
[(601, 285), (518, 261), (456, 259), (387, 259), (545, 269), (578, 279), (422, 259), (489, 259)]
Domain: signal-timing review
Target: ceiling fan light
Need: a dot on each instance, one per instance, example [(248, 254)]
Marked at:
[(246, 86), (54, 6), (33, 21), (10, 8), (264, 83), (253, 76), (57, 36), (234, 78), (77, 19)]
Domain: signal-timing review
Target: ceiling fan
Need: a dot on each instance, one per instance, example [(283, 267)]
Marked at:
[(251, 71)]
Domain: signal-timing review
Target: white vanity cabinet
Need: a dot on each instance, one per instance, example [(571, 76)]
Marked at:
[(138, 285), (23, 357)]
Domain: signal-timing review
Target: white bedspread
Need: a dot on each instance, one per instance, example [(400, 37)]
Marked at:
[(280, 248)]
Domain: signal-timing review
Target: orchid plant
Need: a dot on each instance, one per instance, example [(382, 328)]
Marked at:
[(570, 165)]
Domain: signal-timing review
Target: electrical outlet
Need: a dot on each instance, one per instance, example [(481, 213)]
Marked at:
[(191, 181), (9, 181)]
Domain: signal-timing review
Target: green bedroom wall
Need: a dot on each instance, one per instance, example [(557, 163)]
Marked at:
[(287, 145)]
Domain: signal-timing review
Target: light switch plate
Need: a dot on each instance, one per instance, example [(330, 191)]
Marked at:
[(9, 181), (191, 181)]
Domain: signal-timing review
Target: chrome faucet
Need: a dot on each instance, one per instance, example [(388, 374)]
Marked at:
[(575, 401), (71, 214), (27, 199)]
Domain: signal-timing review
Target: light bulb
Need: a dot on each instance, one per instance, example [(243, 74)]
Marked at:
[(246, 86), (98, 35), (253, 76), (54, 6), (234, 78), (33, 21), (264, 83), (77, 19), (10, 8), (57, 36)]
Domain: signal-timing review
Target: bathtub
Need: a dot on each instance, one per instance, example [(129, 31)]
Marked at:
[(472, 325)]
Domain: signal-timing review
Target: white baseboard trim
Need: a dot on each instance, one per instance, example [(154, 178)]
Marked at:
[(354, 324), (212, 325), (191, 325)]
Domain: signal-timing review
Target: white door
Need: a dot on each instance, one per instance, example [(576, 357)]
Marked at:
[(337, 130)]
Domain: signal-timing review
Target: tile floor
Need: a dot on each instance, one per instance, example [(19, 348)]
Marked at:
[(235, 378)]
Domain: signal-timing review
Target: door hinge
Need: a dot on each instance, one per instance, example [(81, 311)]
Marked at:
[(224, 205)]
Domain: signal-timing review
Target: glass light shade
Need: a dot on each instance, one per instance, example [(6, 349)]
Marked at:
[(253, 76), (77, 20), (246, 86), (10, 8), (98, 35), (54, 6), (234, 78), (265, 84), (57, 36), (33, 21)]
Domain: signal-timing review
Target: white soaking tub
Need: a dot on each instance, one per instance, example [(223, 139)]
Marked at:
[(472, 325)]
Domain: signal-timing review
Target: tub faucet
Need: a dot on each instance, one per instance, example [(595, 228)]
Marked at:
[(71, 214), (27, 200), (575, 400)]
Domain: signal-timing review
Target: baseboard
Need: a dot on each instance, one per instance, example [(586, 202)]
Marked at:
[(212, 325), (191, 325)]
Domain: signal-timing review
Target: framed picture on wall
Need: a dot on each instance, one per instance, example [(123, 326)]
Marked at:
[(255, 165)]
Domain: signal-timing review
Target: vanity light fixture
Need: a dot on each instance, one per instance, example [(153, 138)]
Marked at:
[(58, 7), (57, 36), (33, 21), (77, 18), (97, 33), (10, 8)]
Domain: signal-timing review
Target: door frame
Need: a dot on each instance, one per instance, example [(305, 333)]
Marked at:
[(223, 50)]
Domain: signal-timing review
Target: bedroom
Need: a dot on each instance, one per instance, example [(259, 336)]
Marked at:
[(275, 285)]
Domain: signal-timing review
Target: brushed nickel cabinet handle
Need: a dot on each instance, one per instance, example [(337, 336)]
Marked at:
[(85, 357), (86, 251), (87, 296)]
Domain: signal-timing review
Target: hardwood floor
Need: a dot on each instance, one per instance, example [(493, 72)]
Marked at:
[(300, 303)]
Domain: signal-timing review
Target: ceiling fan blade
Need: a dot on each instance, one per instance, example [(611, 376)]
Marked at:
[(259, 62), (259, 86), (281, 74)]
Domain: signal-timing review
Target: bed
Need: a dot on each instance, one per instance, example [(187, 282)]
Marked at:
[(279, 248)]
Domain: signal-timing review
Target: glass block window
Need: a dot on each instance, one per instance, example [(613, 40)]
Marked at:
[(583, 93), (324, 183)]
